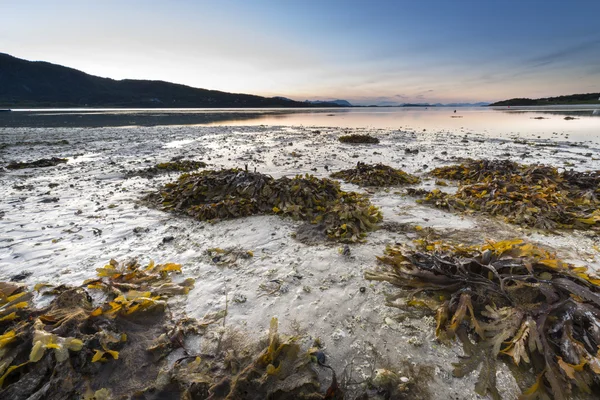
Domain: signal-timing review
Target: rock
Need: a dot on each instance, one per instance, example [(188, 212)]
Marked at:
[(168, 239), (21, 276)]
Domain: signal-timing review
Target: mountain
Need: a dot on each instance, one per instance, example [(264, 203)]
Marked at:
[(480, 104), (341, 103), (587, 98), (41, 84), (396, 104)]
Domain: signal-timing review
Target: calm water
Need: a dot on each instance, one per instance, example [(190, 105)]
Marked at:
[(546, 122), (493, 122)]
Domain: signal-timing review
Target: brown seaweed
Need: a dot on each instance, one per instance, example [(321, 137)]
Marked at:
[(356, 138), (110, 338), (279, 371), (375, 175), (534, 196), (234, 193), (43, 163), (78, 342), (170, 166), (507, 299)]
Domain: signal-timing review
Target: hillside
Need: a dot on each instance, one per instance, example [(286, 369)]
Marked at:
[(40, 84), (588, 98)]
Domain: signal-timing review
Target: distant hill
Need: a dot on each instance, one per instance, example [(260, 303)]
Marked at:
[(341, 103), (41, 84), (588, 98)]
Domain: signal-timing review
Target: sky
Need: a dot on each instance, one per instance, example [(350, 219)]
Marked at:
[(366, 52)]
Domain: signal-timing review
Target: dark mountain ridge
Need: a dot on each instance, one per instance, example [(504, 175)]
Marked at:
[(41, 84), (585, 98)]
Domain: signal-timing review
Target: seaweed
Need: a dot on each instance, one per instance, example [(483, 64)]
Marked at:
[(170, 166), (375, 175), (536, 196), (507, 299), (356, 138), (281, 370), (87, 336), (42, 163), (181, 165), (233, 193), (228, 257), (110, 338)]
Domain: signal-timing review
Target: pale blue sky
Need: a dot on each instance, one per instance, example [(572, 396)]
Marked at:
[(363, 51)]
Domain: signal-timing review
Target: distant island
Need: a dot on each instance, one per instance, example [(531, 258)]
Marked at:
[(587, 98), (31, 84)]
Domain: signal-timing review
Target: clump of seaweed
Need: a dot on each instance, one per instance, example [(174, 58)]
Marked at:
[(181, 165), (356, 138), (375, 175), (80, 343), (279, 371), (228, 257), (232, 193), (535, 196), (506, 299), (170, 166), (43, 163)]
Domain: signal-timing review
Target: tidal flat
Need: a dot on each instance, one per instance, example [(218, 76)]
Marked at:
[(60, 223)]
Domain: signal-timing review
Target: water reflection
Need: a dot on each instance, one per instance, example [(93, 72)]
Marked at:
[(543, 122)]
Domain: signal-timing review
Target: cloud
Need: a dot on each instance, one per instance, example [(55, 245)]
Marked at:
[(563, 54)]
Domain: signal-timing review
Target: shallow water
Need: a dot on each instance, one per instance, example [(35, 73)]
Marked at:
[(546, 122)]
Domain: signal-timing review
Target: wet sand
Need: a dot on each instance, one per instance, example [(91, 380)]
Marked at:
[(61, 223)]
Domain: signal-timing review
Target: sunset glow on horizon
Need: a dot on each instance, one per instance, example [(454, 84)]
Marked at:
[(377, 52)]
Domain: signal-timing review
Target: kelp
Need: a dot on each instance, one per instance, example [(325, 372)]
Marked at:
[(280, 371), (534, 196), (506, 299), (110, 338), (87, 336), (228, 257), (170, 166), (375, 175), (181, 165), (356, 138), (43, 163), (233, 193)]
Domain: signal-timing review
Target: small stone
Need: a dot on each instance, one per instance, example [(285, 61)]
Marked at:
[(362, 289), (168, 239), (404, 379), (21, 276)]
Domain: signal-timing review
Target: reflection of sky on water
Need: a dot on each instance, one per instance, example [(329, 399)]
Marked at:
[(494, 122), (545, 122)]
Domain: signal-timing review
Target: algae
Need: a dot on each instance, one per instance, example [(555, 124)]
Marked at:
[(375, 175), (509, 300), (535, 196), (233, 193), (110, 338), (170, 166), (88, 337), (357, 138), (42, 163)]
